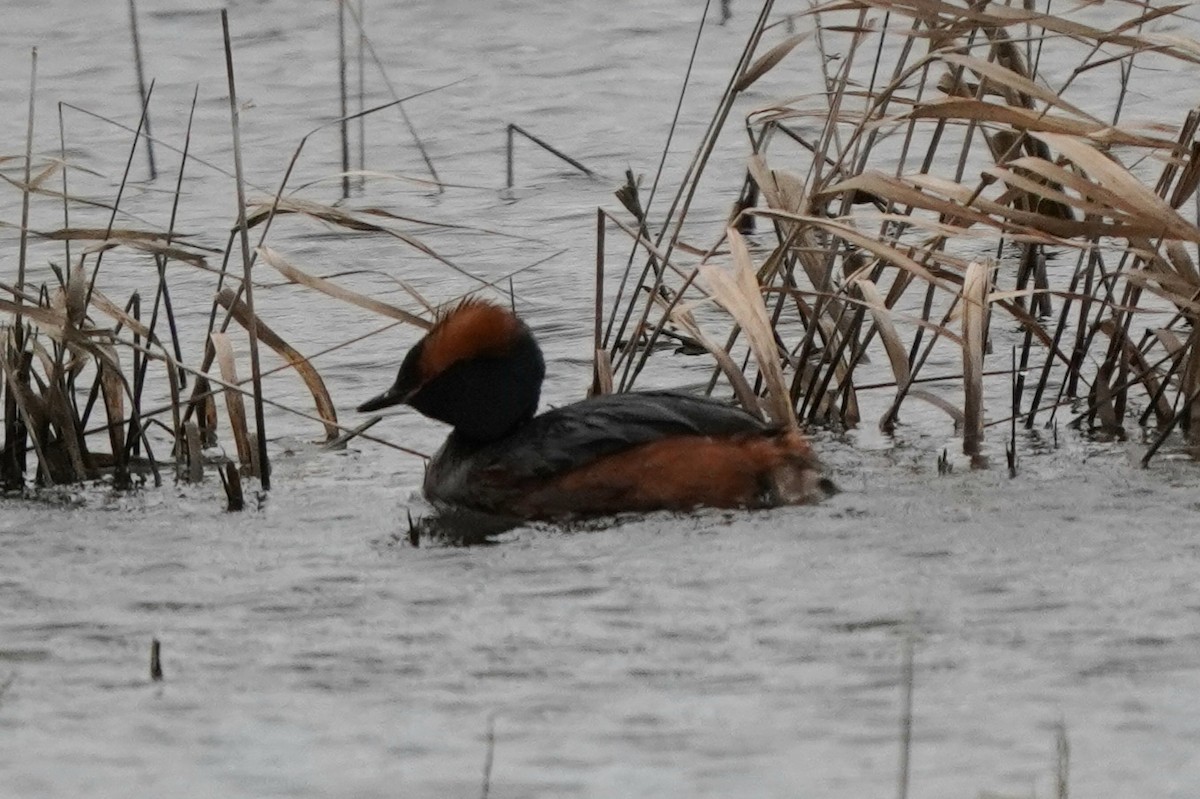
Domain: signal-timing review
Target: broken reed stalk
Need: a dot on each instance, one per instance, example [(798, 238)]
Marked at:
[(143, 99), (1011, 452), (598, 386), (247, 282), (344, 127), (62, 154), (513, 128), (231, 481), (491, 732), (7, 683), (974, 332), (156, 672), (1062, 769), (907, 678)]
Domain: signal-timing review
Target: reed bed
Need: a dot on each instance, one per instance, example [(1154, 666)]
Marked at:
[(938, 195), (80, 369)]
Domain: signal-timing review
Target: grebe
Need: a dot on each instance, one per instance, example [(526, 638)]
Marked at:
[(480, 370)]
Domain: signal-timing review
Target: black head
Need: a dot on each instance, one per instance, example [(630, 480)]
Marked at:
[(478, 369)]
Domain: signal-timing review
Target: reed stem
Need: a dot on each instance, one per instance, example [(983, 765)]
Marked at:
[(247, 282)]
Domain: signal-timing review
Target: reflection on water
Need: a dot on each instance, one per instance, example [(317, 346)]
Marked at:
[(310, 650)]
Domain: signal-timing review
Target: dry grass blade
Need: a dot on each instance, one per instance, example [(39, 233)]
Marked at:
[(336, 216), (1129, 193), (312, 378), (1170, 288), (29, 407), (66, 434), (768, 61), (1182, 261), (1015, 81), (235, 406), (152, 247), (113, 386), (897, 356), (951, 410), (738, 292), (57, 326), (969, 109), (1146, 374), (974, 327), (76, 295), (194, 446), (111, 309), (602, 380), (741, 387), (332, 289), (117, 234)]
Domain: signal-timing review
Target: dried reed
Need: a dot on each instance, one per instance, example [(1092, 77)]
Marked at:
[(260, 426), (878, 229), (70, 350), (917, 205)]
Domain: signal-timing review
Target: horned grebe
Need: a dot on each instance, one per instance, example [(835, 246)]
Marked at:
[(480, 370)]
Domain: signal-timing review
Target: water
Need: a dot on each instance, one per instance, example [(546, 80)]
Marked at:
[(309, 651)]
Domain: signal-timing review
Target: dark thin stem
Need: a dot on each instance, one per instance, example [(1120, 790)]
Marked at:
[(156, 672), (662, 160), (362, 96), (112, 218), (141, 83), (247, 283), (598, 308), (489, 758), (906, 717), (344, 127), (688, 188), (162, 295), (550, 148), (23, 246)]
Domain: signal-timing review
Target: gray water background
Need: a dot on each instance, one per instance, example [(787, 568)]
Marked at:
[(309, 652)]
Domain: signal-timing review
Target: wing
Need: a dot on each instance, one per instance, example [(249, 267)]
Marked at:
[(571, 436)]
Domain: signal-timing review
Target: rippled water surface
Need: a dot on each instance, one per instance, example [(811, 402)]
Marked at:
[(309, 651)]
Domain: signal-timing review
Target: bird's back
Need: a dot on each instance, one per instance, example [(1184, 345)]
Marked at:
[(626, 452)]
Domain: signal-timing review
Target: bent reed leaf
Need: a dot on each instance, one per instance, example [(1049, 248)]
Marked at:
[(328, 287)]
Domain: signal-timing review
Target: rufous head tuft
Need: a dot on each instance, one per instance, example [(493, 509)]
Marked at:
[(474, 328), (478, 369)]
